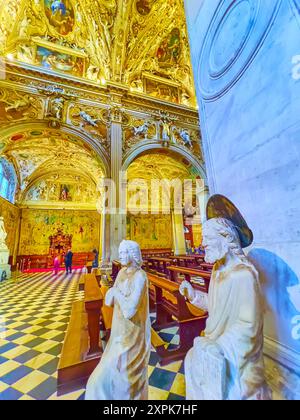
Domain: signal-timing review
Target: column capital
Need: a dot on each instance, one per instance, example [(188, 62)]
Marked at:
[(116, 113)]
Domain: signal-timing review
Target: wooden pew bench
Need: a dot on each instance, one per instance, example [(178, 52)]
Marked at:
[(185, 261), (189, 274), (81, 283), (175, 311), (82, 348), (159, 265)]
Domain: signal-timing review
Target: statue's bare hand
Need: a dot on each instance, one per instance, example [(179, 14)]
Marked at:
[(186, 289)]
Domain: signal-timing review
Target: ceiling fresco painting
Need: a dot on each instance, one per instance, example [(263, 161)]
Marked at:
[(60, 14), (38, 154)]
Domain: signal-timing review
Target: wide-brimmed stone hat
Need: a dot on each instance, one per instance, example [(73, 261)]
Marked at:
[(220, 206)]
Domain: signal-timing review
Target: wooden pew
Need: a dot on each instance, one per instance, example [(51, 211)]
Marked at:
[(163, 253), (206, 266), (160, 265), (185, 261), (93, 303), (82, 348), (116, 267), (175, 312), (89, 266), (188, 274)]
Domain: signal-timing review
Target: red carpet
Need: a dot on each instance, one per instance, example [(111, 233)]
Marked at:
[(48, 270)]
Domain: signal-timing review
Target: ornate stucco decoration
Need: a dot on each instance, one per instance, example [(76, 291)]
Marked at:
[(138, 43)]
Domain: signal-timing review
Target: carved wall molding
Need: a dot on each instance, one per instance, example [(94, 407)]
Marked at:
[(223, 61), (295, 4)]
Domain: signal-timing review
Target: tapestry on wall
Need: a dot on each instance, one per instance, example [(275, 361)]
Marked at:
[(150, 231), (39, 225), (11, 216)]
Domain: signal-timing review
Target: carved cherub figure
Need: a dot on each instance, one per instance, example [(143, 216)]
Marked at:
[(56, 108), (184, 134), (142, 129), (88, 118)]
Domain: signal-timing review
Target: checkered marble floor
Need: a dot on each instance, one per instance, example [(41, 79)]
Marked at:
[(34, 315)]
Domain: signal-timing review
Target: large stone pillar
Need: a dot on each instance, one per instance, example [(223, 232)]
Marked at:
[(202, 199), (178, 234), (17, 240), (117, 214)]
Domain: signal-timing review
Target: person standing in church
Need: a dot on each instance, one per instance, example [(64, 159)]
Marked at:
[(68, 261), (56, 265)]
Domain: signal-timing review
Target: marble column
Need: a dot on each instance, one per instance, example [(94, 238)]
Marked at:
[(202, 198), (178, 234), (117, 213)]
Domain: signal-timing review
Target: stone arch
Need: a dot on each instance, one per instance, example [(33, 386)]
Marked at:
[(64, 128), (140, 149)]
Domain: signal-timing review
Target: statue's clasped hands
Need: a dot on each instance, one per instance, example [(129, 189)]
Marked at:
[(186, 290)]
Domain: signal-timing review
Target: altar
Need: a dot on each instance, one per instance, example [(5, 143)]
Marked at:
[(59, 244)]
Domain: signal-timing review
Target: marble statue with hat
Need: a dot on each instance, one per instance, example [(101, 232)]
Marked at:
[(122, 373), (5, 269), (227, 362)]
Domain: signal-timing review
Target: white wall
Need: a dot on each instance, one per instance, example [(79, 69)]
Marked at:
[(248, 87)]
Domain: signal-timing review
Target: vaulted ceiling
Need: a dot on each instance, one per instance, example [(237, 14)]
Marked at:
[(42, 155), (125, 41)]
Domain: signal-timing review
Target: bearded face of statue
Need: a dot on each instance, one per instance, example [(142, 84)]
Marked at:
[(216, 245)]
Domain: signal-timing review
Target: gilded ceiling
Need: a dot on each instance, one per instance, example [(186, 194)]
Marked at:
[(160, 166), (44, 154), (142, 44)]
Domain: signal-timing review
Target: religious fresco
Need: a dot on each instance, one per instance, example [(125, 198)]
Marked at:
[(161, 90), (60, 14), (144, 6), (63, 187), (150, 231), (169, 51), (38, 150), (78, 34), (54, 60), (17, 106), (39, 225), (11, 216)]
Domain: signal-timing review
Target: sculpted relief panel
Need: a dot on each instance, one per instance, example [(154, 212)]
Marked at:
[(226, 54), (19, 106), (163, 129)]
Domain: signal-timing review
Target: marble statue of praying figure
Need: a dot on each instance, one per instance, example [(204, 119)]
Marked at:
[(122, 373), (227, 362)]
